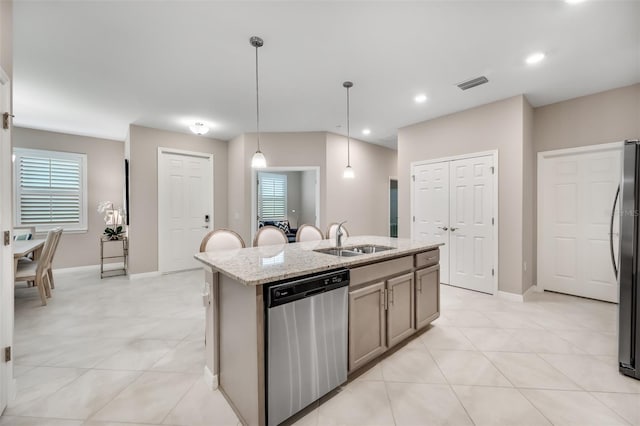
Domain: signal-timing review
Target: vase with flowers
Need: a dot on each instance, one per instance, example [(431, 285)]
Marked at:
[(113, 220)]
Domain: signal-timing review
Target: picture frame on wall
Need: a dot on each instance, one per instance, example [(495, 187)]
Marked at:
[(126, 191)]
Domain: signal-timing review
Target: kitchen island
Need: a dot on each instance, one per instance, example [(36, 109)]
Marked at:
[(392, 292)]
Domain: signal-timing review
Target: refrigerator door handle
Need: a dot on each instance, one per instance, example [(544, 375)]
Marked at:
[(613, 215)]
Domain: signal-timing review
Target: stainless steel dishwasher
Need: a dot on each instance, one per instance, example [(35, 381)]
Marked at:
[(306, 341)]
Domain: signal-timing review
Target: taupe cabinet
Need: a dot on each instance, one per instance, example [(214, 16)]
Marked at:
[(389, 301)]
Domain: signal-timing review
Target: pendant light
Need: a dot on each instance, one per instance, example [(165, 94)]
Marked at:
[(257, 161), (348, 171)]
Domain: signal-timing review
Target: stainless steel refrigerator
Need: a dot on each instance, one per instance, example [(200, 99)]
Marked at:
[(628, 280)]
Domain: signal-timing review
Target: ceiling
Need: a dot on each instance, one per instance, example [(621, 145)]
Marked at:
[(94, 67)]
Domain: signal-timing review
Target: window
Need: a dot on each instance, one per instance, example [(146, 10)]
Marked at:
[(50, 189), (272, 196)]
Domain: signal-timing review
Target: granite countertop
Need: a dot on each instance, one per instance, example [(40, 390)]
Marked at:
[(261, 265)]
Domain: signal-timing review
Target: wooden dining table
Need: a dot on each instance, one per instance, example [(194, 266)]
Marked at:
[(22, 248)]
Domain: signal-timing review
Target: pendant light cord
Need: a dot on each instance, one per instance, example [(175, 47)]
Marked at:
[(257, 102), (348, 132)]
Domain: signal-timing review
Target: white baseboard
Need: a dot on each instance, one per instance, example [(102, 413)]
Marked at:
[(518, 297), (210, 379), (77, 269), (533, 289), (510, 296), (144, 275)]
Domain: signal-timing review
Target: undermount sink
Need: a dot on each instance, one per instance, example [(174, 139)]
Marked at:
[(371, 248), (343, 252), (354, 251)]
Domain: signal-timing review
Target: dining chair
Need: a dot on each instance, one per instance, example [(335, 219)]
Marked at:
[(331, 230), (37, 271), (221, 239), (54, 249), (269, 235), (308, 233)]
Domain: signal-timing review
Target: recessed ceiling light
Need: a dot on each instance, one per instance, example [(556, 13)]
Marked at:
[(366, 131), (420, 99), (534, 58), (573, 1), (199, 128)]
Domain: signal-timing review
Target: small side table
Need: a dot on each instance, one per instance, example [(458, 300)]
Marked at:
[(124, 256)]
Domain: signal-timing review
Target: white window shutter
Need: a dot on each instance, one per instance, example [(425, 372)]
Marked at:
[(50, 189), (272, 200)]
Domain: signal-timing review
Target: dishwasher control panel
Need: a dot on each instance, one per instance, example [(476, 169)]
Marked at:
[(298, 288)]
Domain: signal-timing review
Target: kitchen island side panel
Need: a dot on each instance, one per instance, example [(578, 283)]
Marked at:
[(242, 348)]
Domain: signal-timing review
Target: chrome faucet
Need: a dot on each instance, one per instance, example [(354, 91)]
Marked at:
[(339, 234)]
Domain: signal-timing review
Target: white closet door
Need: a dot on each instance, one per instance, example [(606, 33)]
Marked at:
[(431, 209), (471, 229), (576, 196)]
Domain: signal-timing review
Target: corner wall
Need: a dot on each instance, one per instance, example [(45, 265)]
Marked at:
[(105, 181), (495, 126), (363, 201), (143, 199)]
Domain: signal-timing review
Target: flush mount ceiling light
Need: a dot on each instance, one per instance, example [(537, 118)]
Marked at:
[(258, 161), (366, 131), (421, 98), (534, 58), (573, 1), (199, 128), (348, 171)]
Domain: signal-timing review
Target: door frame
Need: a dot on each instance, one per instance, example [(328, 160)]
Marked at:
[(7, 382), (545, 155), (161, 172), (254, 191), (389, 204), (496, 215)]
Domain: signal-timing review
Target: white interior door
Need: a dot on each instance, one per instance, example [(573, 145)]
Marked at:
[(431, 209), (6, 251), (575, 196), (185, 207), (471, 223)]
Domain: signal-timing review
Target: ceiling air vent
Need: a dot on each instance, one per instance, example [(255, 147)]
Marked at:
[(473, 82)]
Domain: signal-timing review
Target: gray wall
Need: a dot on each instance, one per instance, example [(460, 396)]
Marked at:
[(143, 227), (495, 126), (105, 180), (362, 201), (308, 198)]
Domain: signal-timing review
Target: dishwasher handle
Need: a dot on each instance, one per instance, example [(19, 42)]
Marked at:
[(315, 291)]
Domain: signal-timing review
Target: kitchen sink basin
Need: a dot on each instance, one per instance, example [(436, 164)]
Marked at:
[(354, 251), (369, 249), (343, 252)]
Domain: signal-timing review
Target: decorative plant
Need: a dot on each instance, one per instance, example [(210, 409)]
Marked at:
[(112, 218)]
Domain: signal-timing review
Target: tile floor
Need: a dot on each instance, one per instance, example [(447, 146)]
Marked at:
[(115, 352)]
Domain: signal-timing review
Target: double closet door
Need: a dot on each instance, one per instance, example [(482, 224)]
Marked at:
[(453, 203)]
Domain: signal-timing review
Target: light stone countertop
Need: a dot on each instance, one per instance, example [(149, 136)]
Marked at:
[(261, 265)]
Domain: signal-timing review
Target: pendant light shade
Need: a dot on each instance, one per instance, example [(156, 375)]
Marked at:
[(258, 161), (348, 173)]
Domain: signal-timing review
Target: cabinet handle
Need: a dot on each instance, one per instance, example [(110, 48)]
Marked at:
[(453, 229), (384, 299), (419, 285), (390, 297), (444, 228)]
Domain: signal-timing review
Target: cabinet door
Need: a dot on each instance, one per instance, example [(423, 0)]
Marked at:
[(427, 295), (400, 313), (367, 323)]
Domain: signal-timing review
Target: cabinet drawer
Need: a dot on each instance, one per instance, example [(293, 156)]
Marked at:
[(427, 258), (364, 274)]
